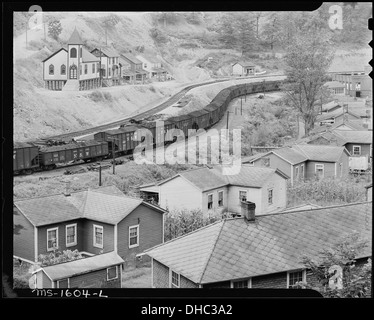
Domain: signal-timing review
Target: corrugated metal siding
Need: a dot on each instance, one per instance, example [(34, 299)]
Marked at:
[(88, 237), (23, 236), (42, 236), (150, 230)]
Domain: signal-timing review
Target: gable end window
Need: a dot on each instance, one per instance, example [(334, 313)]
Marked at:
[(356, 150), (98, 236), (133, 236), (111, 273), (71, 235), (174, 279), (51, 69), (52, 239)]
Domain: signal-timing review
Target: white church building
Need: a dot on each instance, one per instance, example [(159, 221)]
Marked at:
[(72, 69)]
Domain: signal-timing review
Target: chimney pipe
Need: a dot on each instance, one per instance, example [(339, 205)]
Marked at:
[(248, 210)]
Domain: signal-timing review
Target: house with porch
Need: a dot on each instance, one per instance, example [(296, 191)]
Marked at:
[(153, 66), (335, 87), (262, 251), (243, 68), (93, 221), (109, 65), (208, 190), (132, 68), (74, 68), (306, 161)]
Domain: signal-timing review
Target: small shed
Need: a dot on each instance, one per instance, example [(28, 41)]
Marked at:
[(103, 270), (243, 68)]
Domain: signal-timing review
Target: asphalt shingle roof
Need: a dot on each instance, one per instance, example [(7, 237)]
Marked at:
[(235, 248), (81, 266), (352, 136), (103, 204), (291, 155), (320, 153)]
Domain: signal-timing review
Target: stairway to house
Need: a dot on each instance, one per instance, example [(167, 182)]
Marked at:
[(71, 85)]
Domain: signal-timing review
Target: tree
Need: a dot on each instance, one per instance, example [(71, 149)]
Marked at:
[(354, 282), (307, 60), (258, 16), (57, 256), (108, 23), (245, 32), (54, 29), (226, 31), (271, 31)]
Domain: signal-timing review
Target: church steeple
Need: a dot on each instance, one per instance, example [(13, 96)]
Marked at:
[(75, 38)]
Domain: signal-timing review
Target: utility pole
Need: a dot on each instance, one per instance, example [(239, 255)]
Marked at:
[(113, 152), (100, 176)]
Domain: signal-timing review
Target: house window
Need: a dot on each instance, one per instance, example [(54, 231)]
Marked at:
[(71, 235), (220, 198), (52, 239), (241, 284), (93, 68), (341, 168), (63, 283), (98, 233), (294, 277), (319, 170), (111, 273), (302, 171), (243, 195), (270, 196), (133, 236), (210, 201), (145, 65), (85, 69), (297, 172), (73, 53), (51, 69), (63, 69), (175, 279), (356, 150)]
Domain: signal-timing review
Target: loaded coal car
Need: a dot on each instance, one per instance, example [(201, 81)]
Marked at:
[(200, 119), (25, 158), (89, 150), (183, 123), (159, 132), (213, 111)]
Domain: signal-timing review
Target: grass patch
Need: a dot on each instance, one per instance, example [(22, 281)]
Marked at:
[(21, 274), (133, 277)]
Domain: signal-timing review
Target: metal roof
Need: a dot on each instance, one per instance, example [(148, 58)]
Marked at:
[(81, 266), (233, 249)]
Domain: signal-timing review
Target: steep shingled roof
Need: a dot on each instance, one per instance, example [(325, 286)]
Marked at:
[(75, 38), (234, 248)]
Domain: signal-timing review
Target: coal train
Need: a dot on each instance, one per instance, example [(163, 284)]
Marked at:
[(31, 157)]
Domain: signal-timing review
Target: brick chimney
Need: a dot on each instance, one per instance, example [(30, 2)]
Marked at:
[(248, 210)]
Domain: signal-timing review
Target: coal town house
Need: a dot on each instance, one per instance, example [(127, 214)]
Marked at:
[(257, 251)]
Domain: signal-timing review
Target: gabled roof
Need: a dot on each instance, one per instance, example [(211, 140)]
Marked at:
[(353, 124), (244, 64), (234, 248), (324, 153), (352, 136), (109, 52), (131, 57), (290, 155), (148, 57), (53, 54), (81, 266), (207, 179), (329, 137), (334, 84), (105, 204), (336, 113), (75, 38), (88, 57)]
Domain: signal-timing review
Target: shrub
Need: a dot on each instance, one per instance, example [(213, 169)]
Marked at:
[(96, 96)]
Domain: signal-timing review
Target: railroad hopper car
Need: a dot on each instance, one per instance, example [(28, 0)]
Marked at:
[(89, 150), (200, 119), (25, 157)]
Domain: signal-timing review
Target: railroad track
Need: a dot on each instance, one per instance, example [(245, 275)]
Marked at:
[(176, 97)]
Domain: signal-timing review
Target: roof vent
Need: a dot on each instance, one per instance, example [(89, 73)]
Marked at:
[(248, 210)]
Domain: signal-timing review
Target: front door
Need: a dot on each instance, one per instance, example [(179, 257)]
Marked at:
[(73, 72)]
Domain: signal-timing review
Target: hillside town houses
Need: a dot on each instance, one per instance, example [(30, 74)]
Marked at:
[(78, 68)]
